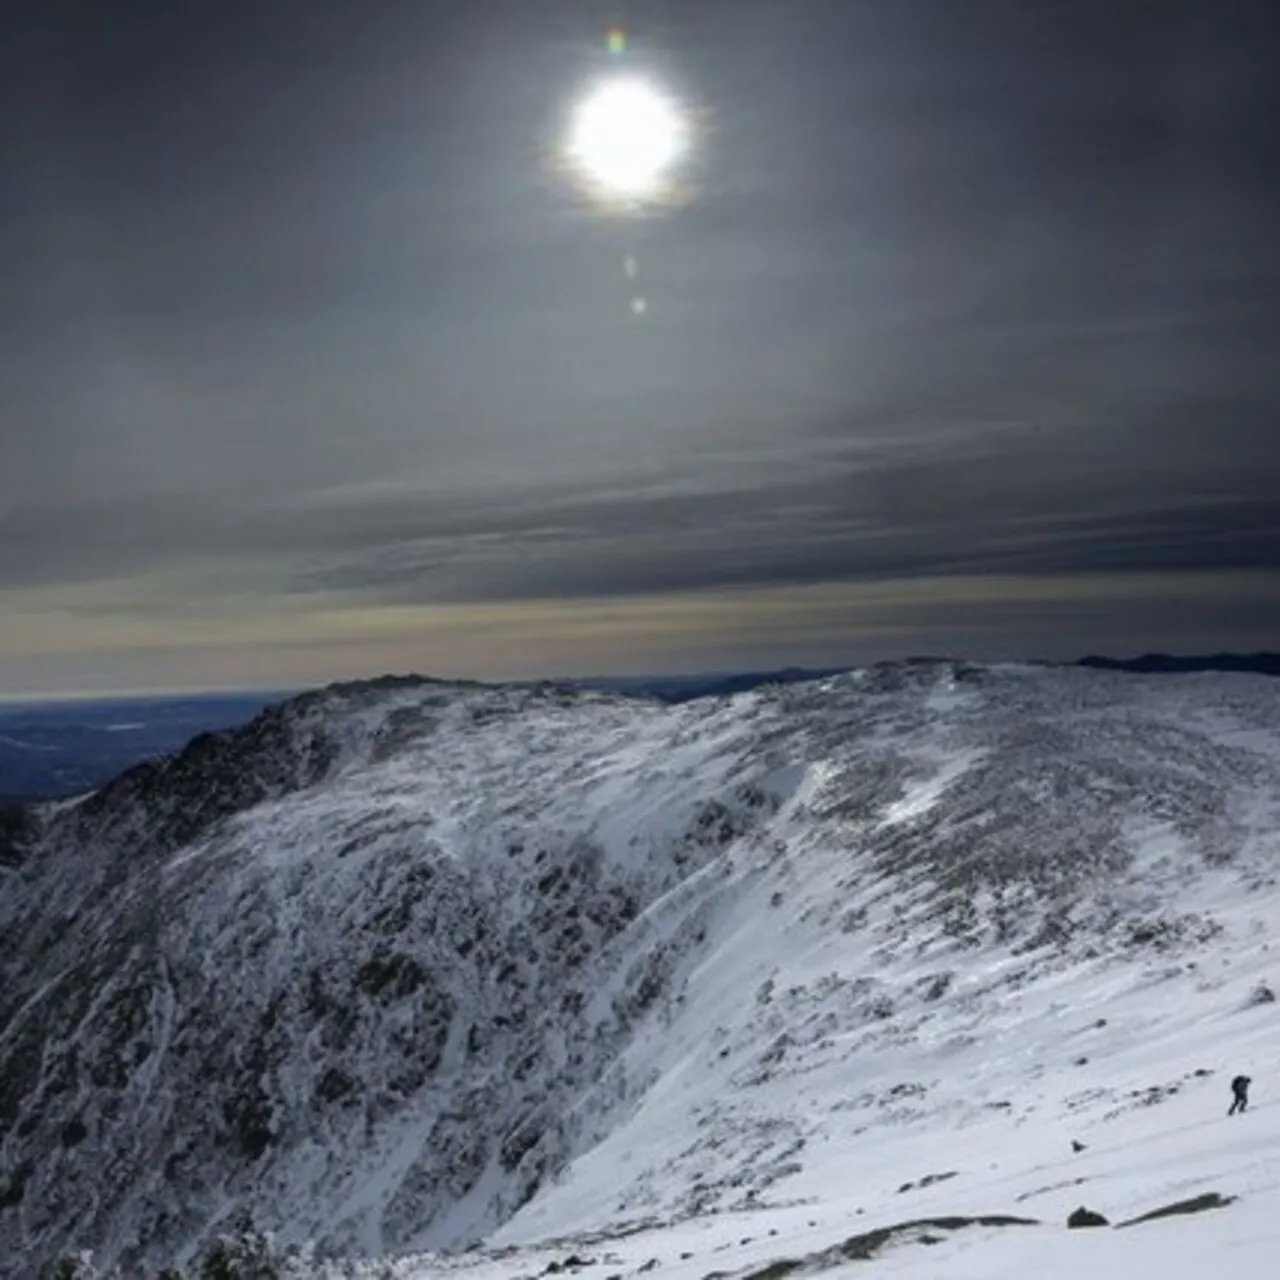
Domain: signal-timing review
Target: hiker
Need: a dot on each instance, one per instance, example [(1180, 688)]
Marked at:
[(1239, 1094)]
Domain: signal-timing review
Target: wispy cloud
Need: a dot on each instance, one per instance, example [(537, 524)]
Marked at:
[(314, 359)]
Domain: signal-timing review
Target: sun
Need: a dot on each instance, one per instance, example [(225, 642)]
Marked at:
[(626, 137)]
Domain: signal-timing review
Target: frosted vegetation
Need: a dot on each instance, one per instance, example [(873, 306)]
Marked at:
[(899, 968)]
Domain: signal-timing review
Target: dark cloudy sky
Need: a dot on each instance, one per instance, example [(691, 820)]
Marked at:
[(964, 339)]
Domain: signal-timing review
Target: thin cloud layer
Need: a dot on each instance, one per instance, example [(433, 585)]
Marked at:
[(306, 348)]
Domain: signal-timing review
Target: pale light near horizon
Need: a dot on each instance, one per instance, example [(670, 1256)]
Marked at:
[(626, 137)]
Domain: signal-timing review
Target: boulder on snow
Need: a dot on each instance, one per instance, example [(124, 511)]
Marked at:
[(1083, 1217)]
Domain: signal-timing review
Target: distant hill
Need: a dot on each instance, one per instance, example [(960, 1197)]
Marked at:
[(1261, 664)]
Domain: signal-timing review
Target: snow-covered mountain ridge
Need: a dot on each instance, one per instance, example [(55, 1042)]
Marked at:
[(418, 965)]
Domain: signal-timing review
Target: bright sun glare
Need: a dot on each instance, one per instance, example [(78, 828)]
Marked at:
[(625, 137)]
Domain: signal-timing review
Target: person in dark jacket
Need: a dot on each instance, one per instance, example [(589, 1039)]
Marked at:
[(1239, 1094)]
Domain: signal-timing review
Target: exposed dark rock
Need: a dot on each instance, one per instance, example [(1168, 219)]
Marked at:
[(1083, 1217), (865, 1246), (17, 830), (1198, 1204), (74, 1132)]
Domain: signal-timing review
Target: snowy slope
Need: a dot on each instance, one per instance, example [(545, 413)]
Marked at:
[(418, 966)]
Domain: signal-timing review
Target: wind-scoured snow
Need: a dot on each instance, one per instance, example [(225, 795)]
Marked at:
[(819, 976)]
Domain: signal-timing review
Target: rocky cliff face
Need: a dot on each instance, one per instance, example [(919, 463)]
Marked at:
[(365, 961)]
